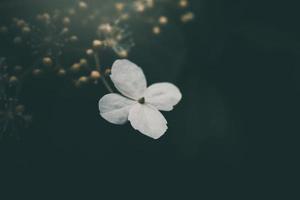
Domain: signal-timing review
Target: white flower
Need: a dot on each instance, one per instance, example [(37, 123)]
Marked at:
[(138, 104)]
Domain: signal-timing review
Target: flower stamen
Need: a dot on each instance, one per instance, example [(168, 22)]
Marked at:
[(141, 100)]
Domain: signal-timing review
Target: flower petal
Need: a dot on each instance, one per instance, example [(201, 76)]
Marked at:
[(128, 78), (148, 120), (115, 108), (163, 96)]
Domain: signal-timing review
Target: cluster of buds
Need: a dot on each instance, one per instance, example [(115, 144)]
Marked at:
[(93, 77), (188, 15), (115, 37), (23, 29), (13, 117), (12, 113), (162, 21), (47, 64), (44, 18), (142, 5), (78, 66), (8, 76), (53, 36), (89, 73)]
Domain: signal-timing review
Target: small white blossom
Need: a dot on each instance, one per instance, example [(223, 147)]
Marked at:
[(138, 104)]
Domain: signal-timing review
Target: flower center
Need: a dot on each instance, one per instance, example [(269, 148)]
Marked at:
[(141, 100)]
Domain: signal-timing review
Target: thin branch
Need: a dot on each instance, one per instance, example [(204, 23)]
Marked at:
[(98, 67)]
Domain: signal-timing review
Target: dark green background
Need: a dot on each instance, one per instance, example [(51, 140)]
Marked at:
[(234, 133)]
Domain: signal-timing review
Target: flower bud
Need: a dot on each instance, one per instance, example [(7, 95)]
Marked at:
[(21, 23), (3, 29), (119, 6), (65, 30), (107, 71), (45, 18), (82, 5), (83, 62), (187, 17), (26, 30), (13, 80), (124, 16), (105, 28), (66, 21), (89, 52), (139, 6), (36, 72), (163, 20), (61, 72), (123, 53), (97, 44), (82, 80), (47, 61), (95, 75), (156, 30), (71, 11), (75, 67), (20, 109), (73, 38), (183, 3)]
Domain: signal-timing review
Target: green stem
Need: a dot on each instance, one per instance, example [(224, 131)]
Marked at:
[(98, 67)]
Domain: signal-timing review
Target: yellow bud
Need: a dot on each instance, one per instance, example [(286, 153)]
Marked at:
[(95, 75), (44, 17), (13, 79), (107, 71), (3, 29), (66, 21), (139, 6), (75, 67), (119, 6), (36, 72), (82, 5), (105, 28), (74, 38), (123, 53), (65, 30), (124, 16), (156, 30), (61, 72), (47, 61), (83, 62), (89, 52), (163, 20), (187, 17), (97, 44), (72, 11), (20, 109), (183, 3), (21, 23), (26, 29), (150, 3), (83, 79)]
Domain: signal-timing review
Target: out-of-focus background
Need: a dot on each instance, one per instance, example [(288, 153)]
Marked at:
[(237, 65)]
